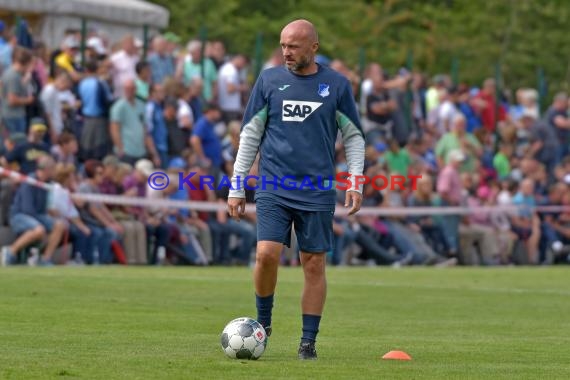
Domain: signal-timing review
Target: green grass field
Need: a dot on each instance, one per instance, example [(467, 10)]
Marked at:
[(165, 323)]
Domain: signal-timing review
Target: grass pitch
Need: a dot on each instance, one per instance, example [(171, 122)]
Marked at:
[(165, 323)]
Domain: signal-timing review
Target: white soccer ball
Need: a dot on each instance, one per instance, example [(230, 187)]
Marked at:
[(244, 338)]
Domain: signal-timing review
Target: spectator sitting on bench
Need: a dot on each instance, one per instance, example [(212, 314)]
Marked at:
[(29, 218)]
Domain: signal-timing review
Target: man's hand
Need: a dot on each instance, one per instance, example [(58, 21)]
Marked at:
[(236, 207), (355, 198)]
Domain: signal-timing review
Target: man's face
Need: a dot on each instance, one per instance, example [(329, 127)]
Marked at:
[(109, 171), (129, 46), (561, 104), (490, 88), (71, 147), (129, 90), (158, 93), (161, 46), (240, 63), (170, 112), (298, 51), (527, 188), (63, 84), (459, 126), (48, 172), (146, 74), (196, 55), (216, 115)]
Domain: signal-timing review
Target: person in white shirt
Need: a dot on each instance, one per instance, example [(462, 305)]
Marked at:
[(231, 88), (52, 104), (124, 64), (61, 204), (446, 111)]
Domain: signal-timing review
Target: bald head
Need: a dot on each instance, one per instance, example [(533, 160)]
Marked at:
[(303, 29), (300, 42)]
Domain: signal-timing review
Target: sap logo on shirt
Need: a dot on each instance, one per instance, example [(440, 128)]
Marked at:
[(298, 111)]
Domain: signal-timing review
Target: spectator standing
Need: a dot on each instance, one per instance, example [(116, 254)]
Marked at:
[(559, 120), (124, 64), (65, 61), (489, 116), (51, 102), (15, 91), (205, 141), (96, 99), (156, 124), (191, 71), (458, 138), (143, 81), (130, 139), (7, 50), (544, 143), (379, 108), (178, 138), (162, 63), (231, 89)]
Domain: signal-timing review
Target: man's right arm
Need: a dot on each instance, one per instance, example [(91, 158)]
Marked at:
[(250, 138)]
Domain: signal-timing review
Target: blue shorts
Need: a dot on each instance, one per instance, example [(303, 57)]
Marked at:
[(20, 223), (314, 229)]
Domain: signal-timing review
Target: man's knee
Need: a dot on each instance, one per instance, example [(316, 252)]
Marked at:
[(39, 232), (59, 225), (268, 254), (314, 265)]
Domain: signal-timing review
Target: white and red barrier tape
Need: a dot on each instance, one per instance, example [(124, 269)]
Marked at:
[(216, 206)]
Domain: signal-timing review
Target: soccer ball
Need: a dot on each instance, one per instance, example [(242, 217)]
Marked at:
[(244, 338)]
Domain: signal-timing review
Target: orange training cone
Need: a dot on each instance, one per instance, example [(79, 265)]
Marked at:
[(397, 355)]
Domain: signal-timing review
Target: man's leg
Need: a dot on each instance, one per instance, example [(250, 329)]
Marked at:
[(314, 294), (29, 230), (56, 229), (314, 230), (265, 278), (54, 238), (273, 231)]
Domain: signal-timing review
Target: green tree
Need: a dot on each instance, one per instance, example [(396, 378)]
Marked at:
[(521, 35)]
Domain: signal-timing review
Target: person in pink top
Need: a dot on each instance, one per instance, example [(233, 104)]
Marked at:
[(450, 188)]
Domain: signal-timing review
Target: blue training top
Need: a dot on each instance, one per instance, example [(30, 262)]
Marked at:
[(293, 120)]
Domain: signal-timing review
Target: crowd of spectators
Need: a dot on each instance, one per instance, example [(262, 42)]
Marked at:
[(105, 123)]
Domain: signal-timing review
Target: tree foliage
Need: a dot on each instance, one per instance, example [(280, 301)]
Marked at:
[(519, 36)]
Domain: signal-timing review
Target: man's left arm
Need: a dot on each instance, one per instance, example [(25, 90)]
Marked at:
[(349, 124)]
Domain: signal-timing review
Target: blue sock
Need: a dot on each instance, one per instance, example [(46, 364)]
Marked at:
[(310, 328), (264, 307)]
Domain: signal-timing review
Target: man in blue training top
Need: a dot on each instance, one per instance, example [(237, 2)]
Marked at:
[(292, 119)]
